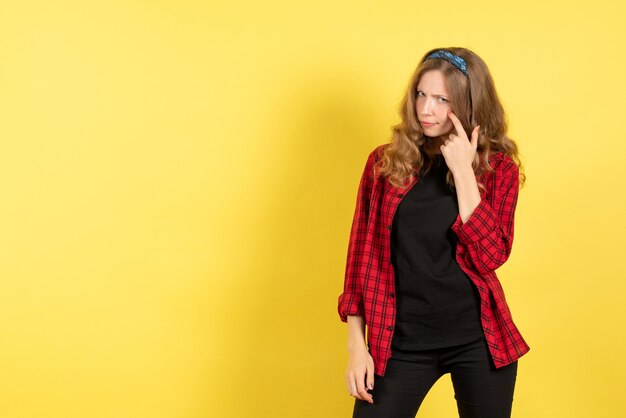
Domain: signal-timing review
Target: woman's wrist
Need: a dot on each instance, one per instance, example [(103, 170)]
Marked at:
[(356, 345), (356, 334)]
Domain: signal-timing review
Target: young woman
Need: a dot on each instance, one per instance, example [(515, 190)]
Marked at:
[(433, 221)]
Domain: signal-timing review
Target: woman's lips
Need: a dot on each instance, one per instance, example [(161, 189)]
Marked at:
[(426, 124)]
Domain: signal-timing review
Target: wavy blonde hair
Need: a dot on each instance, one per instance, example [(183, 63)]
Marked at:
[(474, 102)]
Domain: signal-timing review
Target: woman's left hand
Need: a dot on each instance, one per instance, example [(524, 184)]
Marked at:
[(458, 151)]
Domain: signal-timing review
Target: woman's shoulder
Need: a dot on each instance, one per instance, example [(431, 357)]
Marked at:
[(501, 161), (377, 152), (372, 160)]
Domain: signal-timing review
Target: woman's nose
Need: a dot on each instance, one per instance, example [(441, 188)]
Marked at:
[(426, 107)]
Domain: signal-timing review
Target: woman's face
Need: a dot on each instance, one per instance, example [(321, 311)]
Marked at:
[(432, 105)]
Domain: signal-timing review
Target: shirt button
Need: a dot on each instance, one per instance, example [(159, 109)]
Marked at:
[(400, 195), (391, 295), (390, 328), (389, 227)]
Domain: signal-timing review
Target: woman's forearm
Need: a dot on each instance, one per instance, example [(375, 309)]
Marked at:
[(356, 333), (467, 193)]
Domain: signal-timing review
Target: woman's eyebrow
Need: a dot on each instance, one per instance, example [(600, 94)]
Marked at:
[(435, 94)]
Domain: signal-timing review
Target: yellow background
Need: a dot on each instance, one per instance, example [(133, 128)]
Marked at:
[(177, 183)]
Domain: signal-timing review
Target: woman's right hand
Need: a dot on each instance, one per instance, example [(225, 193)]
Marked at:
[(360, 372)]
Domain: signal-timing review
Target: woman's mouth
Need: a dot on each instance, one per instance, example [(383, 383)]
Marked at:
[(426, 124)]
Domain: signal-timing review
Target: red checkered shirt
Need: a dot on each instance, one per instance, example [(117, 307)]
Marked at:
[(484, 244)]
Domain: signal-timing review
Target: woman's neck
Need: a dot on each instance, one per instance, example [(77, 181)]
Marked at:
[(433, 145)]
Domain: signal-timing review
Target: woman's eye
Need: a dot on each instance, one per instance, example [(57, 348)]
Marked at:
[(441, 99)]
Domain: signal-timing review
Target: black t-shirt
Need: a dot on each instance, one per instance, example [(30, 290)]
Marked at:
[(437, 303)]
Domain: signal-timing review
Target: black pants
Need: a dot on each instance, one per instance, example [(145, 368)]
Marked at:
[(480, 390)]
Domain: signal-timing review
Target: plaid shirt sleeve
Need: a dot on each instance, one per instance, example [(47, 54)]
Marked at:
[(488, 232), (351, 300)]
